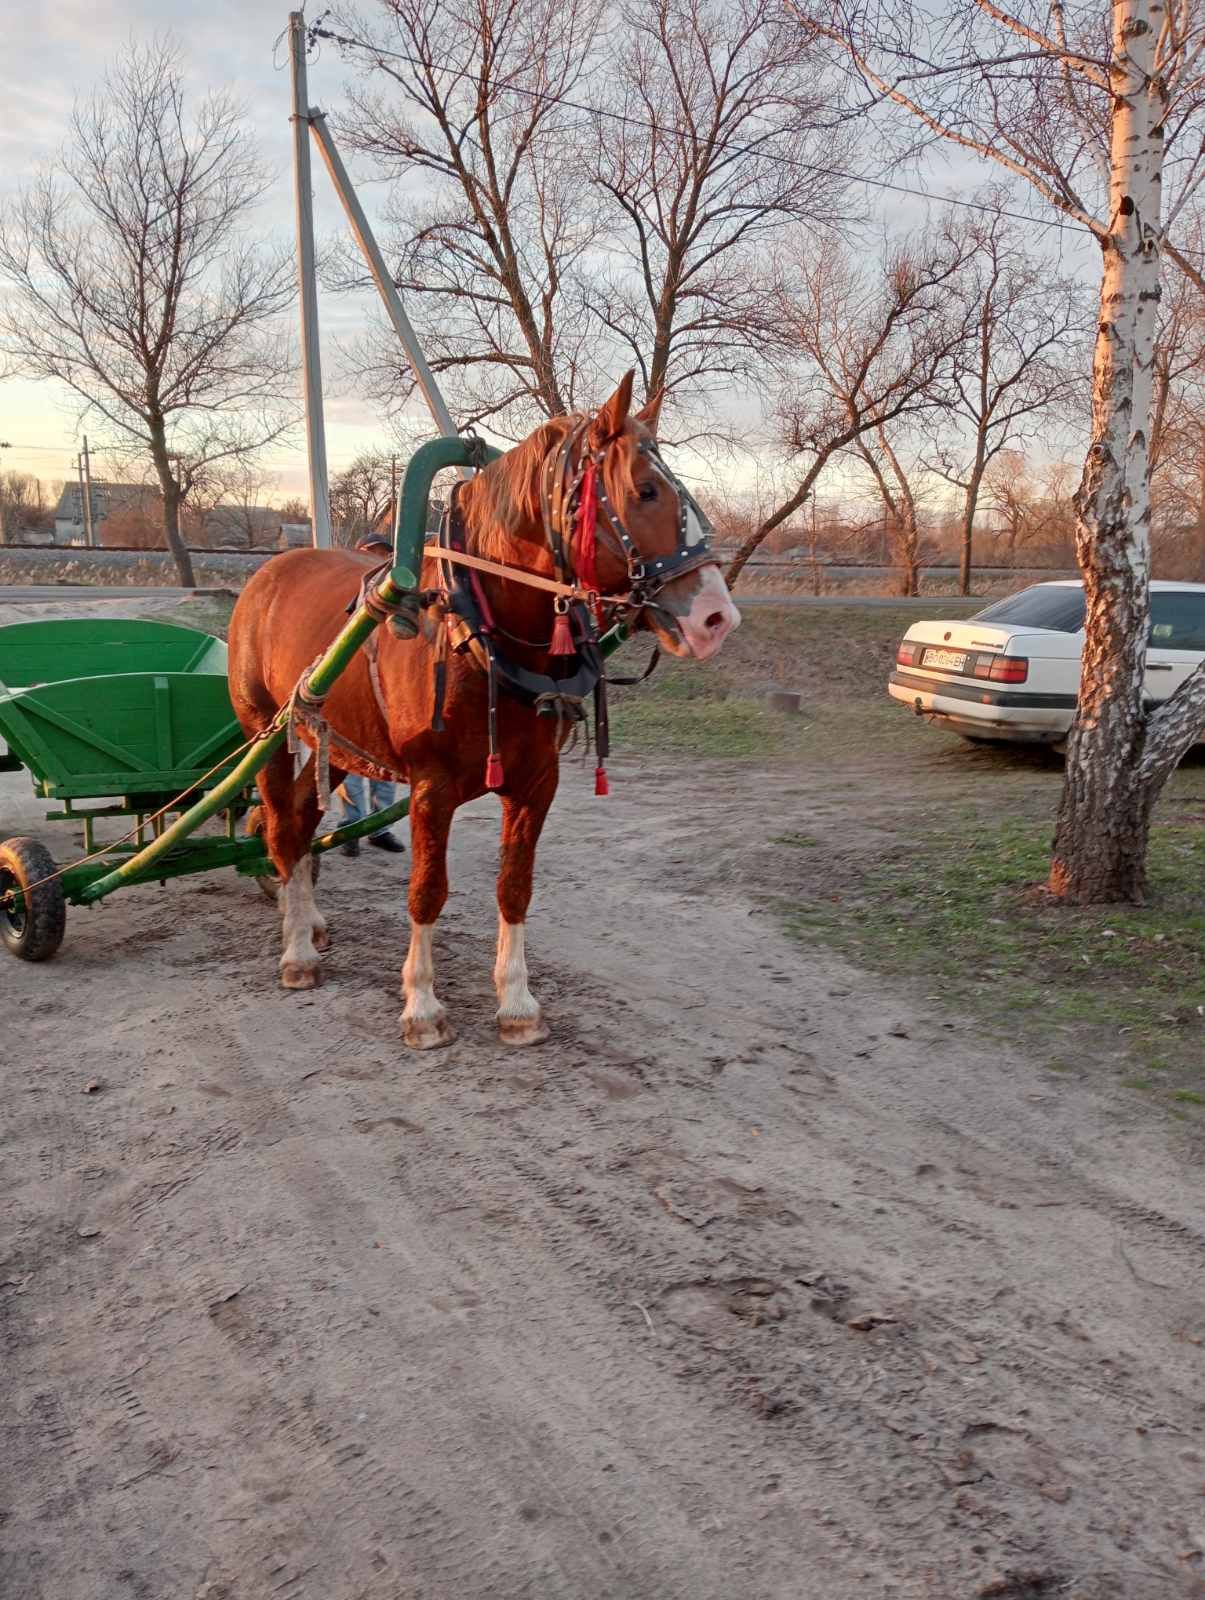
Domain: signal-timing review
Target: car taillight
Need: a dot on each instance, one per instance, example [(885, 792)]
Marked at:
[(908, 653), (1010, 669)]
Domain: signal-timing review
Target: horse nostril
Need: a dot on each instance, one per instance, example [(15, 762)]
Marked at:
[(715, 621)]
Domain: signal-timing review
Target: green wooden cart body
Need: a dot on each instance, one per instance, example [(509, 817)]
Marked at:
[(105, 709)]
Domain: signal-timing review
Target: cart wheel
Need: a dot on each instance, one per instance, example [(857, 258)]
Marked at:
[(269, 883), (33, 922)]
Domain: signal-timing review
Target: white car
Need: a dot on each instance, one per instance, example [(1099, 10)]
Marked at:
[(1012, 671)]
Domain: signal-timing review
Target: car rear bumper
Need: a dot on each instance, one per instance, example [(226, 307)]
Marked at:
[(983, 710)]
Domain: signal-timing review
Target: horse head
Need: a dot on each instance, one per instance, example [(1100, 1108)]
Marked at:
[(652, 534), (591, 499)]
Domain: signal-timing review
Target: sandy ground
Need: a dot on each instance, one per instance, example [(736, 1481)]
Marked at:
[(758, 1280)]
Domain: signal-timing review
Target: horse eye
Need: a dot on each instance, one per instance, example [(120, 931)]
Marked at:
[(648, 491)]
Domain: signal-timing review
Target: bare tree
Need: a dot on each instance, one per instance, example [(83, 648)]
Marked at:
[(1098, 107), (1017, 366), (133, 279), (362, 495), (22, 505), (870, 348), (463, 100), (710, 136), (1177, 449), (897, 480)]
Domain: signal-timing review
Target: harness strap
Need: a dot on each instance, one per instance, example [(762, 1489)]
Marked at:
[(499, 569)]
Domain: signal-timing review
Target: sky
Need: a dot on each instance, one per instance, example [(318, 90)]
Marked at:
[(239, 46), (228, 44)]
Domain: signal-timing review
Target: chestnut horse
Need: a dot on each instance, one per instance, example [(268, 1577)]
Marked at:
[(296, 604)]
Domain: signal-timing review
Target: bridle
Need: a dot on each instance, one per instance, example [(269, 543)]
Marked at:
[(576, 508)]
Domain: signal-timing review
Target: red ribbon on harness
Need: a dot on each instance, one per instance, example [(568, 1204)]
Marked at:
[(587, 529)]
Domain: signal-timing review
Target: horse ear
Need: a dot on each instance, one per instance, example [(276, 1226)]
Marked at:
[(611, 418), (650, 412)]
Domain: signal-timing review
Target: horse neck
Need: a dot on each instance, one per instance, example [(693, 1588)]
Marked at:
[(503, 522)]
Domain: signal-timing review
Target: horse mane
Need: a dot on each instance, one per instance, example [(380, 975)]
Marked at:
[(502, 505)]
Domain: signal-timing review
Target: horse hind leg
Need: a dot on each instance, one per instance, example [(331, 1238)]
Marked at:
[(290, 817), (424, 1022)]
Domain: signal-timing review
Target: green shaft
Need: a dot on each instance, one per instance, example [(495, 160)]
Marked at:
[(410, 531)]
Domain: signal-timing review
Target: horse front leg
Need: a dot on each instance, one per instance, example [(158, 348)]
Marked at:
[(519, 1020), (424, 1021)]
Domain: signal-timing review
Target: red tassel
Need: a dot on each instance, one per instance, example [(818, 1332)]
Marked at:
[(493, 772), (562, 639), (601, 786)]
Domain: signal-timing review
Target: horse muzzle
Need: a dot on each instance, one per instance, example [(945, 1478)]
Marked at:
[(694, 614)]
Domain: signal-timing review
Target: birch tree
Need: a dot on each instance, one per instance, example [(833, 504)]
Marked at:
[(133, 278), (869, 347), (1099, 109)]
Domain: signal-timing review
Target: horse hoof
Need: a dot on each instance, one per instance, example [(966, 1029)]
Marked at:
[(322, 939), (427, 1033), (295, 975), (520, 1031)]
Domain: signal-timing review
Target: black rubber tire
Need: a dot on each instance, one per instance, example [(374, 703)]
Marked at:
[(269, 883), (31, 928)]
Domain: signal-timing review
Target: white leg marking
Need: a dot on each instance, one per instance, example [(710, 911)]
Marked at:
[(424, 1021), (299, 962), (518, 1010)]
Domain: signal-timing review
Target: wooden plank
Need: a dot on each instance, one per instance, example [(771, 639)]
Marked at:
[(162, 714)]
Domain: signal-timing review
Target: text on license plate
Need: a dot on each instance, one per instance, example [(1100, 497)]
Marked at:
[(948, 660)]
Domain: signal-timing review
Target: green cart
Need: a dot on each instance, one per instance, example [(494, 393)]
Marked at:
[(133, 720)]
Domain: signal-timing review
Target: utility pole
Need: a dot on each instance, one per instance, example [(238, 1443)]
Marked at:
[(315, 430), (381, 277), (89, 529), (83, 498), (393, 491)]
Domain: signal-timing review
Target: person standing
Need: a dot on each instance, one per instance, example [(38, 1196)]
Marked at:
[(360, 797)]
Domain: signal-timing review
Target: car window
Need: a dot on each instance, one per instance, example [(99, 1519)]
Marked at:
[(1046, 605), (1178, 620)]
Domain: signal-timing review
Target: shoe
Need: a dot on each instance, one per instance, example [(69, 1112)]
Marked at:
[(386, 841), (351, 848)]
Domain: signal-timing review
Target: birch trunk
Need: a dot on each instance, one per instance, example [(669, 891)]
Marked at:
[(1104, 816)]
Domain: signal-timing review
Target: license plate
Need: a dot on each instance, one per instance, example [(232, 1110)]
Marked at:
[(947, 660)]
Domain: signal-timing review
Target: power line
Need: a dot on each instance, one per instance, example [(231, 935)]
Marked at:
[(318, 32)]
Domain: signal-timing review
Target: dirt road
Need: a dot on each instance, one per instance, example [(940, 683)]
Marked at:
[(756, 1281)]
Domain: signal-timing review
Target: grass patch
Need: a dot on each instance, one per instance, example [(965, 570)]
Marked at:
[(957, 910), (208, 613)]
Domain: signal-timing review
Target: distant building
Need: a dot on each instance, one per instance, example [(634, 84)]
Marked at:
[(138, 500), (293, 534)]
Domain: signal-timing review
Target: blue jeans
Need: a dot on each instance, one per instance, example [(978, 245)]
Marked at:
[(357, 804)]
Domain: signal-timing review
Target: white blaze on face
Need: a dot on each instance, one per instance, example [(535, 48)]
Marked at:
[(712, 615), (695, 531)]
